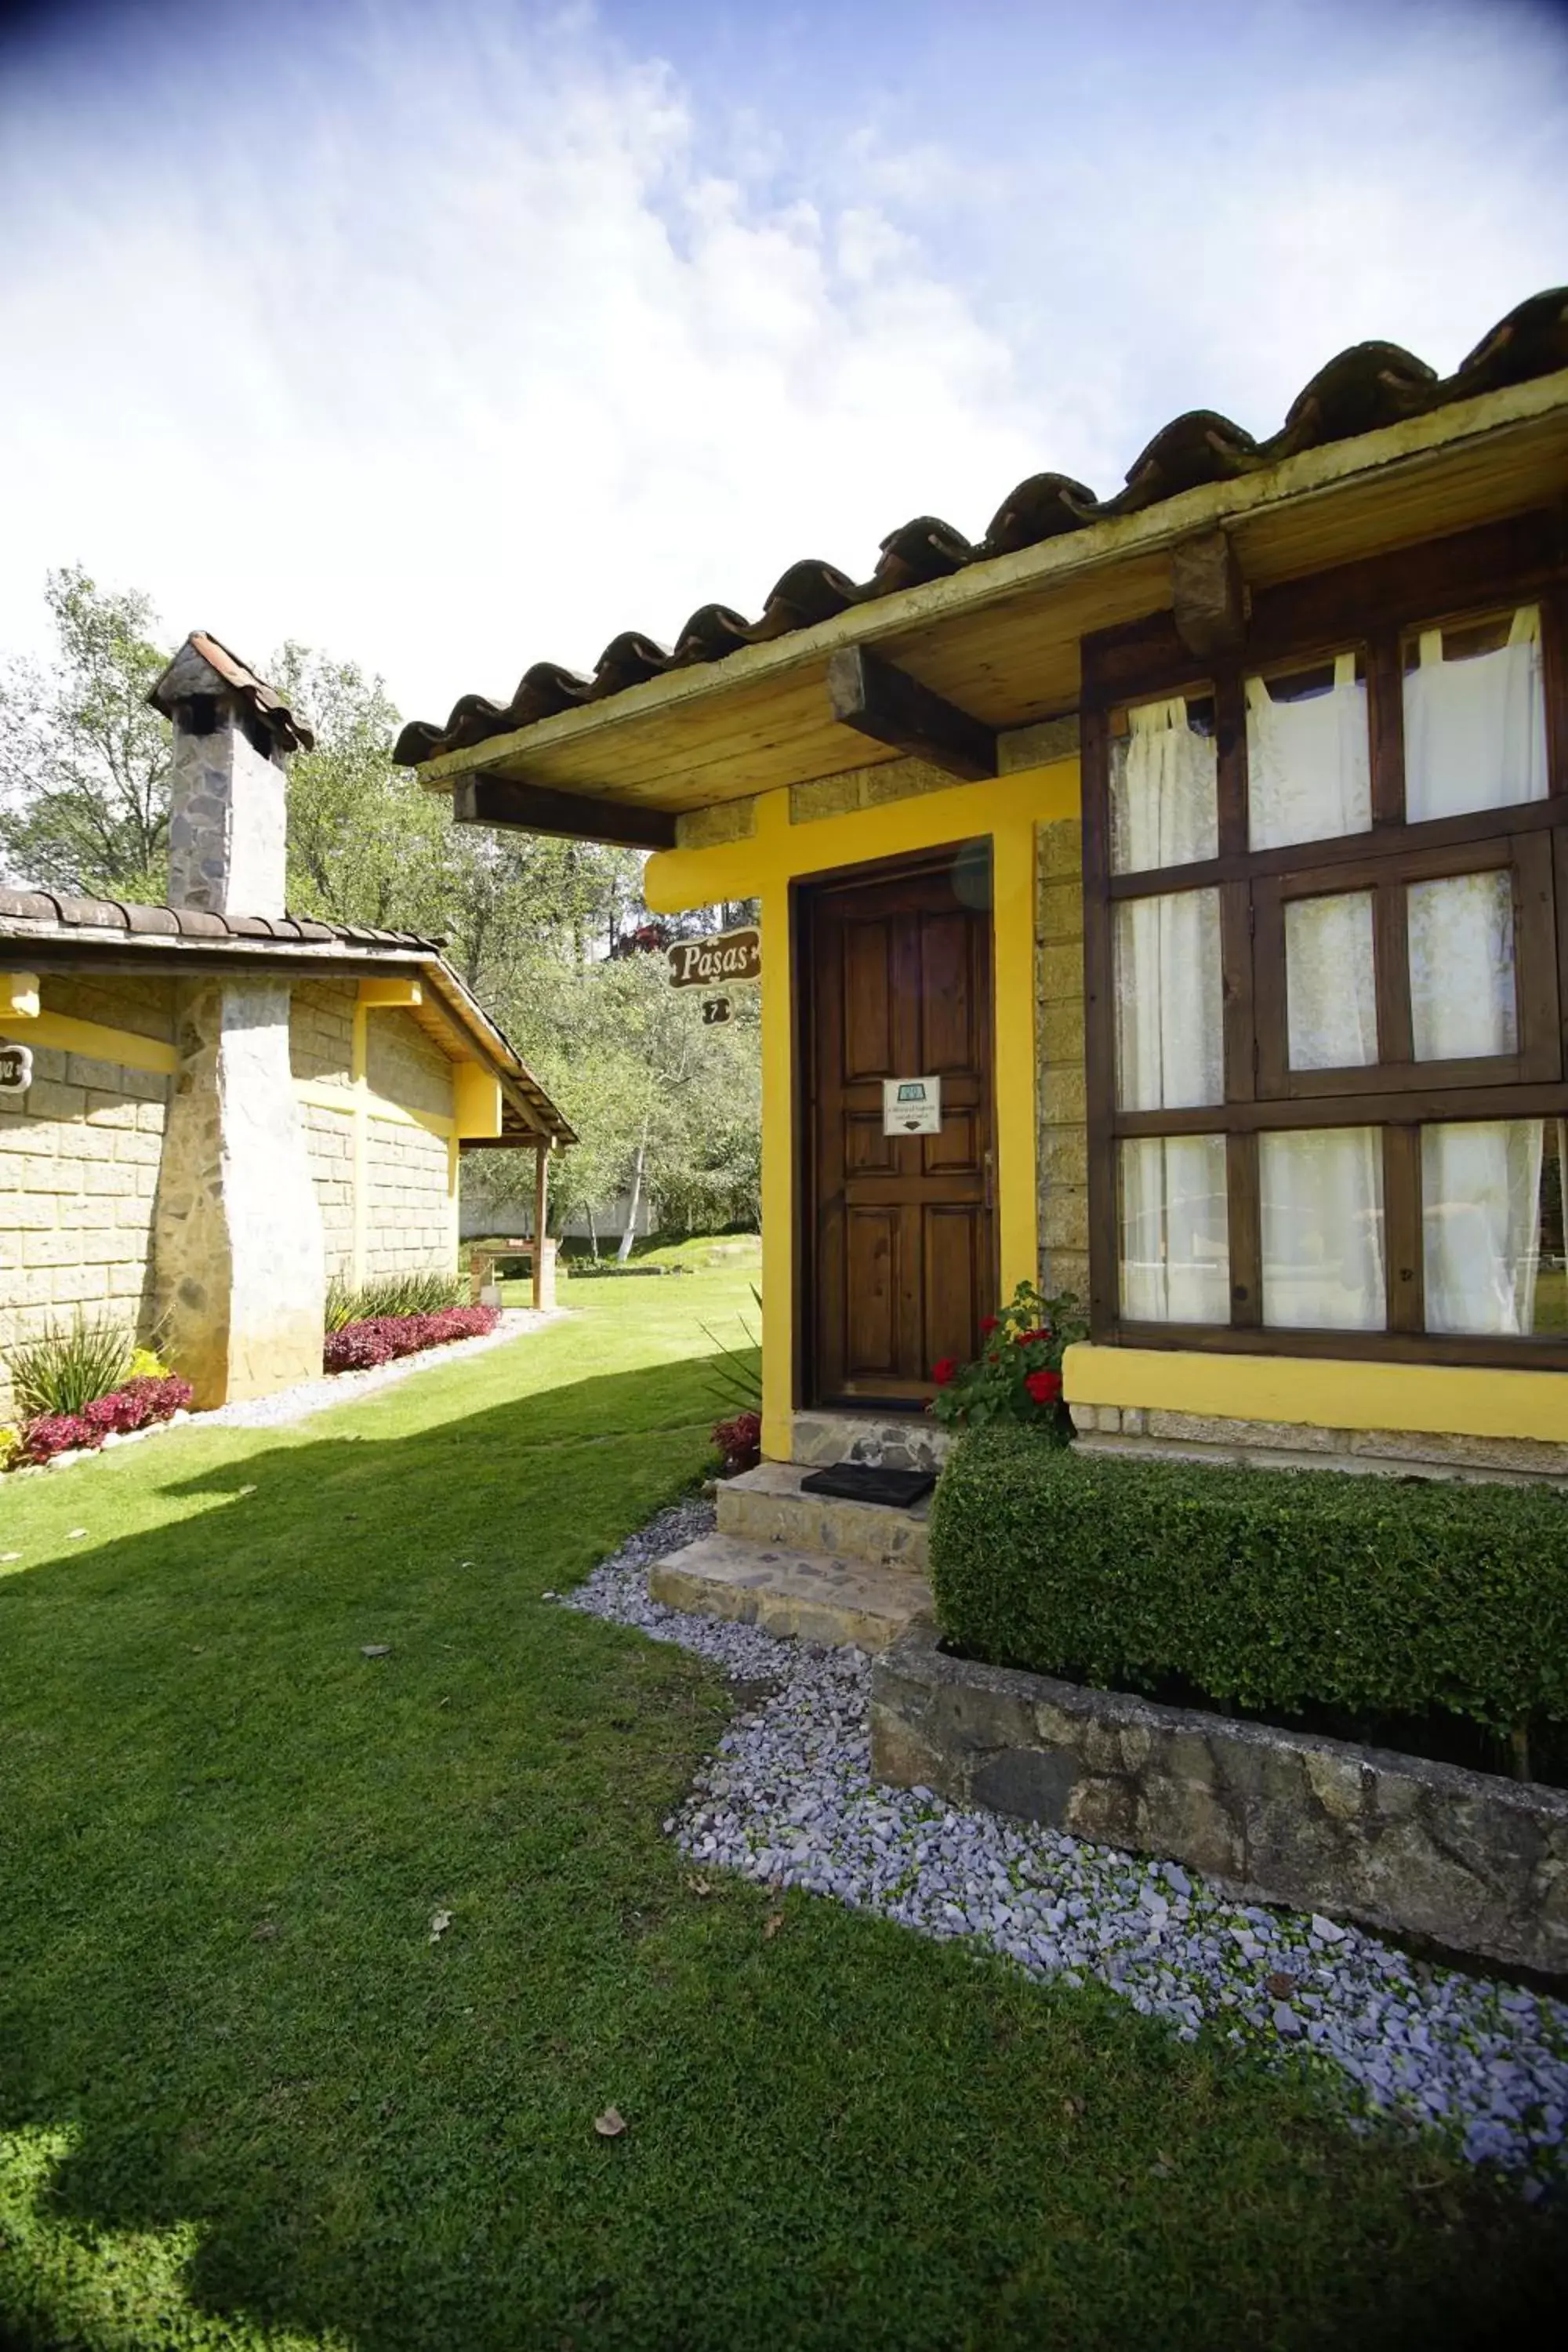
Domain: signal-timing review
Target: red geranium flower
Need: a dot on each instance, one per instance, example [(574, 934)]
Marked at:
[(1027, 1338), (1044, 1387), (943, 1370), (987, 1325)]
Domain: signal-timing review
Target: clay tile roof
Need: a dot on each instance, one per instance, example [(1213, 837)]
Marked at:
[(203, 650), (1371, 384)]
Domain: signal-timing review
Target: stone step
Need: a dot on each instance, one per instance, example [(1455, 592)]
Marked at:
[(824, 1436), (813, 1596), (765, 1506)]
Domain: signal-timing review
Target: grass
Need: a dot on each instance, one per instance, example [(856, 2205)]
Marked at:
[(246, 2101)]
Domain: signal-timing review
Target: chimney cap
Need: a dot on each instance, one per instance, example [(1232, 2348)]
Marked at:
[(206, 666)]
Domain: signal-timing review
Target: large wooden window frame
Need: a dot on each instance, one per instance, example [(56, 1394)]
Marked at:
[(1373, 608)]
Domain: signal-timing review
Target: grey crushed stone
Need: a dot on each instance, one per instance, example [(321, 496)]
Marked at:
[(307, 1397), (787, 1798)]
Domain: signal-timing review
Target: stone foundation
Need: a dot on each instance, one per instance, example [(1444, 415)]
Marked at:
[(821, 1438), (1473, 1863), (1148, 1433)]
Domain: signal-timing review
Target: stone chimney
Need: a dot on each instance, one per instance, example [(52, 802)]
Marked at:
[(228, 834), (239, 1266)]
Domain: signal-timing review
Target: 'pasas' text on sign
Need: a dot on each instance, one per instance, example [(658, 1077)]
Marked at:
[(730, 957)]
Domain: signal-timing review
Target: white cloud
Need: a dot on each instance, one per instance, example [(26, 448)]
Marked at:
[(453, 349)]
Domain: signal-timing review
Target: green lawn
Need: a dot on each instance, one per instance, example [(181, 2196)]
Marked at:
[(246, 2100)]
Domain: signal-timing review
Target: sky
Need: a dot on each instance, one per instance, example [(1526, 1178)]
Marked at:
[(452, 335)]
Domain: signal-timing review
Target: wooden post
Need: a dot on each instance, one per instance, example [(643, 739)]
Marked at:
[(541, 1212)]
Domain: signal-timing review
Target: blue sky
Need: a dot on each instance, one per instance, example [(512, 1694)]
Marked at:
[(450, 334)]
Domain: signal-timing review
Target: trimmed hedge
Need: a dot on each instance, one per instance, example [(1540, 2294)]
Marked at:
[(1273, 1589)]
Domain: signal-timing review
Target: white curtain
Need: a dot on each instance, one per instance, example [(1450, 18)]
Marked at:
[(1164, 803), (1175, 1257), (1475, 729), (1322, 1229), (1461, 966), (1308, 777), (1480, 1213), (1170, 1051), (1330, 983)]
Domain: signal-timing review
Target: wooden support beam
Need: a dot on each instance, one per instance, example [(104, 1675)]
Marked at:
[(386, 995), (870, 694), (1208, 596), (541, 1217), (532, 808)]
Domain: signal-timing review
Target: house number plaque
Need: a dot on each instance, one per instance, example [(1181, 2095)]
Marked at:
[(911, 1106), (15, 1069)]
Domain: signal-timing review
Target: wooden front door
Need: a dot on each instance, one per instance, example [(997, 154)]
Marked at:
[(900, 1256)]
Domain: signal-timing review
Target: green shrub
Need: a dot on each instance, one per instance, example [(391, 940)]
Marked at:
[(1273, 1589), (70, 1365), (392, 1294)]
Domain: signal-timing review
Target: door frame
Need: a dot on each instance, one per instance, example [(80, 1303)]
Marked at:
[(803, 891)]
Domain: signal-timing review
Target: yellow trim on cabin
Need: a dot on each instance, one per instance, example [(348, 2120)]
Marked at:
[(322, 1095), (475, 1100), (19, 997), (383, 995), (763, 866), (1324, 1393), (90, 1039)]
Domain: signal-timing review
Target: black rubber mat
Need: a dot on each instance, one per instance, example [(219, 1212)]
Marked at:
[(863, 1482)]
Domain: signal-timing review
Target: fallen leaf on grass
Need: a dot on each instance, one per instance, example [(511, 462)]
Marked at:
[(699, 1886), (1161, 2168), (1279, 1985), (1073, 2109), (611, 2124), (73, 1533), (263, 1932), (772, 1922), (8, 1556), (440, 1923), (376, 1649)]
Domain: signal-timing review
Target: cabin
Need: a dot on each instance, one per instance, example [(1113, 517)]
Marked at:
[(210, 1109), (1200, 854)]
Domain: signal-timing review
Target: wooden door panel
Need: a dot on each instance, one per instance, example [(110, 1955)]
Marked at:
[(898, 1239)]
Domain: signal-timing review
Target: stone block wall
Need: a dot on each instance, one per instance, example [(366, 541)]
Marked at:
[(1062, 1132), (411, 1227), (321, 1047), (79, 1155), (1150, 1432)]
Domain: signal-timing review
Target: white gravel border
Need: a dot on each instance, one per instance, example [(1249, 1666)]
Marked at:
[(788, 1799)]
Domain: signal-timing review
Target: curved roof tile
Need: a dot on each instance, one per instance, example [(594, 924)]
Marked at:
[(1369, 385)]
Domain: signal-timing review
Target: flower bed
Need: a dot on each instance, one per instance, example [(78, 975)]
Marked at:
[(139, 1404), (382, 1338)]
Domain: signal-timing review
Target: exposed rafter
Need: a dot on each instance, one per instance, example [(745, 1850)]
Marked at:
[(530, 808), (1208, 597), (870, 694)]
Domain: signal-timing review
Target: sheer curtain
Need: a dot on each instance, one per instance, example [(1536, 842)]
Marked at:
[(1461, 966), (1475, 729), (1164, 804), (1330, 981), (1169, 1042), (1480, 1214), (1175, 1257), (1308, 776), (1323, 1228)]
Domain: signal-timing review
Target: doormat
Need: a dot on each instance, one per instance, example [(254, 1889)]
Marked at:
[(864, 1482)]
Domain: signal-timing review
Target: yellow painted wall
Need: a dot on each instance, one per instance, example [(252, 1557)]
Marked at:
[(762, 867), (1324, 1393)]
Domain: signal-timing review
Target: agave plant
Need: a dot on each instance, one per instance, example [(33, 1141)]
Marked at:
[(71, 1366)]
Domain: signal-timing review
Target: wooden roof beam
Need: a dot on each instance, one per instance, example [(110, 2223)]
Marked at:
[(870, 694), (532, 808)]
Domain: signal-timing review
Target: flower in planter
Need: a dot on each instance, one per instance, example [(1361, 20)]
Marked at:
[(740, 1440), (1017, 1374)]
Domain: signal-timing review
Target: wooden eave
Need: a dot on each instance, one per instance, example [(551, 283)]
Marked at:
[(1000, 640)]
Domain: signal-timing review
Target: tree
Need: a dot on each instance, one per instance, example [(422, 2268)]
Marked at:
[(84, 763)]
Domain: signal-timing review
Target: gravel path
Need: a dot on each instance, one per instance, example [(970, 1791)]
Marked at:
[(788, 1797), (344, 1387)]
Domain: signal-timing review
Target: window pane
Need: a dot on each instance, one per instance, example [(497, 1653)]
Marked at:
[(1164, 806), (1309, 775), (1175, 1248), (1170, 1051), (1322, 1229), (1461, 966), (1330, 981), (1474, 717), (1492, 1213)]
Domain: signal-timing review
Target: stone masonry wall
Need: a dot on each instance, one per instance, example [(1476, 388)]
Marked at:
[(321, 1047), (1063, 1144), (411, 1224), (79, 1172), (1149, 1433)]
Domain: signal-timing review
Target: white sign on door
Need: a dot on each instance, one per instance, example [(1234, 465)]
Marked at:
[(911, 1106)]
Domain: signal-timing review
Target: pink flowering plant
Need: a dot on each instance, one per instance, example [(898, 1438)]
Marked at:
[(378, 1338), (1017, 1375), (136, 1405)]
